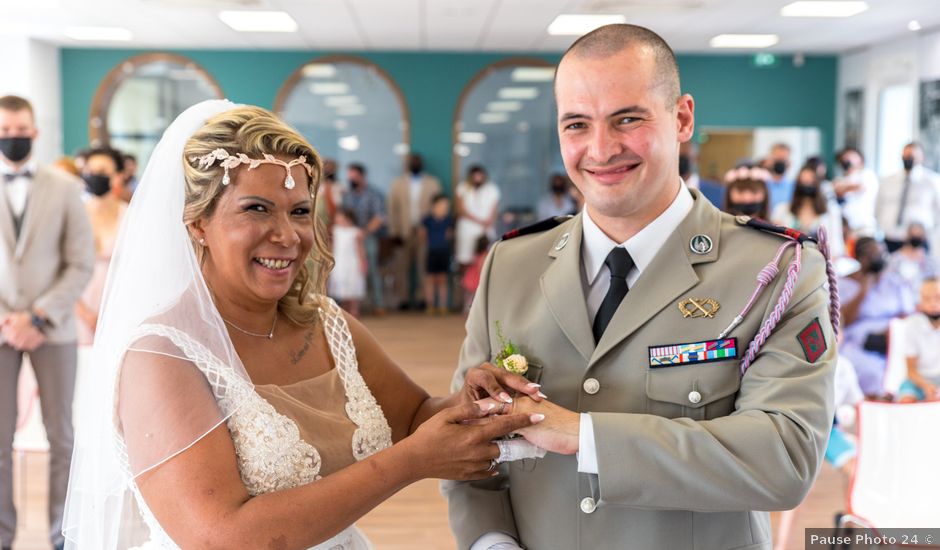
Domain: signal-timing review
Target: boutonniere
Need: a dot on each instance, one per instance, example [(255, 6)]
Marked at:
[(510, 358)]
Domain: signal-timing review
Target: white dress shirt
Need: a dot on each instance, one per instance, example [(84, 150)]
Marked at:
[(17, 190), (858, 206), (922, 203), (595, 246), (414, 190)]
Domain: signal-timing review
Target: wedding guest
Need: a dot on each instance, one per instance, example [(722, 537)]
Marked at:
[(871, 298), (409, 201), (477, 205), (105, 210), (348, 278), (809, 210), (238, 406), (368, 208), (438, 234), (779, 184), (923, 347), (746, 192), (912, 261), (47, 260), (856, 190), (911, 195), (558, 201)]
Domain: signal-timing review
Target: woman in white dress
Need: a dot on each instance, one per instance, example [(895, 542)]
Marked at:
[(236, 406)]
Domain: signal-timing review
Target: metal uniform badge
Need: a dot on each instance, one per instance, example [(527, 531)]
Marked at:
[(562, 241), (701, 244), (699, 307)]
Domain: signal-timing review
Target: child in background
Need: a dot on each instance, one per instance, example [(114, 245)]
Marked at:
[(923, 347), (437, 230), (471, 278), (348, 280)]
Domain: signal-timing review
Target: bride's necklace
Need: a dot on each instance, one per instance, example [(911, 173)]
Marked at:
[(269, 335)]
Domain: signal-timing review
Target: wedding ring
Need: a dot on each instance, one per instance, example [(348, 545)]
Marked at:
[(493, 464)]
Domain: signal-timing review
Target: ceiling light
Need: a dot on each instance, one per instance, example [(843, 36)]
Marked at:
[(533, 74), (914, 25), (814, 8), (493, 118), (259, 21), (348, 143), (329, 88), (340, 100), (743, 40), (351, 110), (319, 70), (576, 25), (518, 93), (504, 106), (472, 137), (115, 34)]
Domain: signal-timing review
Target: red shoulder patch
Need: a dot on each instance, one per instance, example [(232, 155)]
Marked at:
[(812, 341)]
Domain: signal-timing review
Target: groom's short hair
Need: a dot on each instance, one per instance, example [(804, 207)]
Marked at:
[(612, 39)]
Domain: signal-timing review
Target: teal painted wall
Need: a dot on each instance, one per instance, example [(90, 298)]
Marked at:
[(728, 90)]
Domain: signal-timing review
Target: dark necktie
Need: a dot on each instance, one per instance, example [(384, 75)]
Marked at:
[(903, 206), (619, 263)]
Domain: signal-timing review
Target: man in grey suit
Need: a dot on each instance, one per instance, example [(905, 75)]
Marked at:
[(641, 311), (46, 259)]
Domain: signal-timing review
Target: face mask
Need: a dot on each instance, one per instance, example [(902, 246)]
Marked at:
[(355, 184), (908, 163), (933, 316), (780, 167), (16, 149), (685, 165), (876, 266), (845, 165), (558, 189), (916, 242), (96, 184), (329, 176), (805, 190), (415, 168), (746, 208)]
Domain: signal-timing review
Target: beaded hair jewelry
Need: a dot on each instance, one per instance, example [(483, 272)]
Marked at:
[(747, 173), (229, 161)]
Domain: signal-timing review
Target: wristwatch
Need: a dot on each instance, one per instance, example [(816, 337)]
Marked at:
[(37, 321)]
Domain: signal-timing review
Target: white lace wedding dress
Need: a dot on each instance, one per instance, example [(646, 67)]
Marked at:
[(272, 456)]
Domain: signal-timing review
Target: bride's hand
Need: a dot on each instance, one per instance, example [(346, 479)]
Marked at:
[(489, 381), (447, 448)]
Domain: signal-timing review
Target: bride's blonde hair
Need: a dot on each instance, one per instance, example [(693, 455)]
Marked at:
[(255, 132)]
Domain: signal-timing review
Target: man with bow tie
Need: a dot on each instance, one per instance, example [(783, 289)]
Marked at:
[(46, 259)]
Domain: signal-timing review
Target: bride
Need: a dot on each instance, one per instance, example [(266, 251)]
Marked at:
[(235, 406)]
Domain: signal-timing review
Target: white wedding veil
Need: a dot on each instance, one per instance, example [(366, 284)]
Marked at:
[(141, 373)]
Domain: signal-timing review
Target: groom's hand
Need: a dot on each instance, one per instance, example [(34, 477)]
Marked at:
[(489, 381), (558, 433)]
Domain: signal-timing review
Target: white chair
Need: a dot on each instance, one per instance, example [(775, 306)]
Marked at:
[(897, 480)]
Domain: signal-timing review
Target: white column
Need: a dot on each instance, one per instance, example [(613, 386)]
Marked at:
[(32, 69)]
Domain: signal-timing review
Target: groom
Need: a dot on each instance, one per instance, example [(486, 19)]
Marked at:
[(658, 440)]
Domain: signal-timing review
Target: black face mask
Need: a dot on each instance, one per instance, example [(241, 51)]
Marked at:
[(805, 190), (16, 149), (415, 168), (933, 316), (96, 184), (876, 266), (558, 189), (780, 167), (845, 165), (329, 176), (917, 242), (685, 165), (746, 208), (908, 163), (355, 184)]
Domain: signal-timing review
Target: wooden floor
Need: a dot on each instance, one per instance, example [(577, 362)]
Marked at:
[(417, 517)]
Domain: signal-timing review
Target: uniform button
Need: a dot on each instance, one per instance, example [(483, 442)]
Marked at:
[(591, 386), (588, 505), (694, 397)]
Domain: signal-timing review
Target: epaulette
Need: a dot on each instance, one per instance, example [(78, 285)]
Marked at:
[(767, 227), (538, 227)]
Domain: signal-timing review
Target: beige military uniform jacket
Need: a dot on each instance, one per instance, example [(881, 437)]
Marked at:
[(689, 456)]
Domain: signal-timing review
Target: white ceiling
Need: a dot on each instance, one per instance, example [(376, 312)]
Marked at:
[(455, 25)]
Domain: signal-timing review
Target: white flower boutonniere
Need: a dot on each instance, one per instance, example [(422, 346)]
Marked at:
[(510, 358)]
